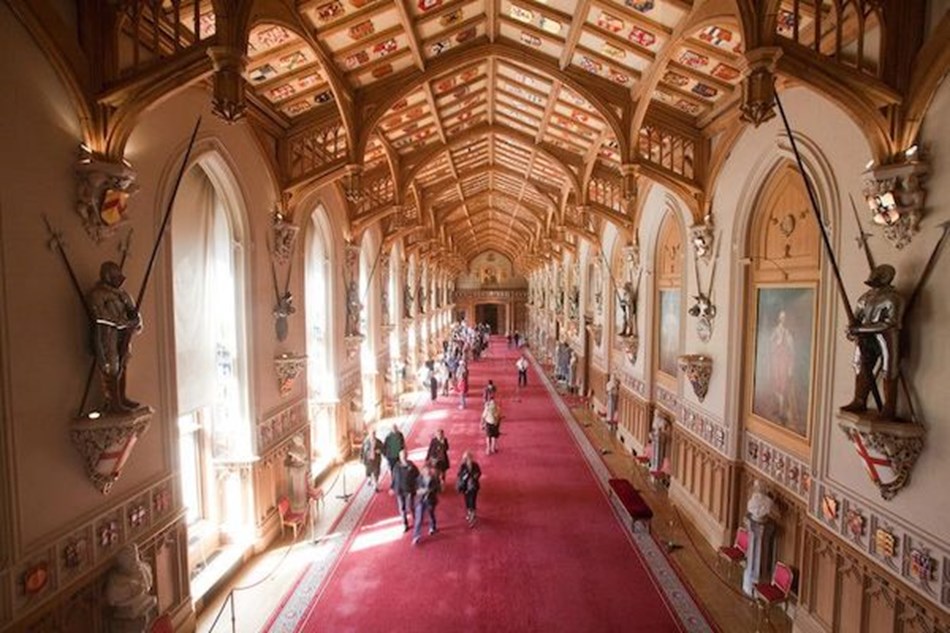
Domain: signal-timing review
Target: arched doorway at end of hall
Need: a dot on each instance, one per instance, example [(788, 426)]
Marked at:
[(494, 314)]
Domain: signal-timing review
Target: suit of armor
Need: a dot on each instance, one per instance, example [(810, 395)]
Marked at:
[(876, 332)]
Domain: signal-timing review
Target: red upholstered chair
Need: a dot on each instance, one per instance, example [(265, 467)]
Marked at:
[(736, 552), (162, 625), (775, 592), (289, 518)]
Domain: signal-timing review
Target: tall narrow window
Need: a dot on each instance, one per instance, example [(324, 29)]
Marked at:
[(669, 302), (209, 356), (321, 386)]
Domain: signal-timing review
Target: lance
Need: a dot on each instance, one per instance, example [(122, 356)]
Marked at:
[(824, 234), (57, 242), (167, 216), (928, 268), (862, 236)]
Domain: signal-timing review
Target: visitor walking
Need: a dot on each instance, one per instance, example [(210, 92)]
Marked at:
[(438, 453), (394, 443), (491, 422), (371, 456), (489, 392), (427, 498), (467, 482), (405, 480), (613, 396), (461, 388), (522, 365)]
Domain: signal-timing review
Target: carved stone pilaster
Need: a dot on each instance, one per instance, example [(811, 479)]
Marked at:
[(228, 101), (103, 190), (758, 85), (106, 443), (698, 370), (351, 260)]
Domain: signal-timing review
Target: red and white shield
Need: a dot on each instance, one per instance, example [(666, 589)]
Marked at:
[(879, 466)]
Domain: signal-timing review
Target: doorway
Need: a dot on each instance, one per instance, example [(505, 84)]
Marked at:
[(491, 313)]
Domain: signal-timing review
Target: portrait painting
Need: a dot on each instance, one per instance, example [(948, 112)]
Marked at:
[(669, 341), (783, 353)]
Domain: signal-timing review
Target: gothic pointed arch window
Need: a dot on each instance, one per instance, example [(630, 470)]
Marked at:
[(669, 300), (321, 384), (782, 304), (208, 272)]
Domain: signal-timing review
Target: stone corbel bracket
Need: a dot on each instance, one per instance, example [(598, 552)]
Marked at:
[(889, 450), (105, 443), (903, 180), (285, 236), (631, 347), (698, 370), (352, 344), (288, 367)]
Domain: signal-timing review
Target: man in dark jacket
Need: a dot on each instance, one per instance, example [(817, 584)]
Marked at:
[(394, 443), (427, 497), (405, 481)]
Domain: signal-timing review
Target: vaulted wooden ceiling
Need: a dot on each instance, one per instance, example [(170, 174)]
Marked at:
[(508, 124)]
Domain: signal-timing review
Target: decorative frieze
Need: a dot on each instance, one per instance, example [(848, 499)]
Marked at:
[(281, 425), (699, 423), (777, 465), (54, 566), (920, 562)]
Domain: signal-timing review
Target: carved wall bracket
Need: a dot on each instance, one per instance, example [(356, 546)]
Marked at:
[(102, 194), (698, 370), (895, 195), (106, 442), (631, 347), (758, 85), (288, 367), (889, 450), (228, 101)]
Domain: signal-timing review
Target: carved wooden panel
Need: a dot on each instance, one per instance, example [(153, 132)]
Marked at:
[(782, 309), (785, 239), (845, 592), (669, 254)]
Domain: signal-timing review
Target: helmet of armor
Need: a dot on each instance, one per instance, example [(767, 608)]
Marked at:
[(111, 273), (882, 275)]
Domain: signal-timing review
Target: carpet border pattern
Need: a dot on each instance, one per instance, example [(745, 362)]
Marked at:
[(302, 595), (678, 597)]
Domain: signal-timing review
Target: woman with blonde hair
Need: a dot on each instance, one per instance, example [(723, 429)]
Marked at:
[(491, 422)]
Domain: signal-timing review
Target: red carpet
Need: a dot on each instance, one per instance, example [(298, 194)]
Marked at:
[(547, 554)]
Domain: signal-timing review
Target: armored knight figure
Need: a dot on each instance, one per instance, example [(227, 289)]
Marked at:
[(115, 320), (876, 332), (628, 304)]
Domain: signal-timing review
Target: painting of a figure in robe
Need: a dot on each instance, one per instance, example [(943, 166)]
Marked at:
[(669, 331), (783, 352)]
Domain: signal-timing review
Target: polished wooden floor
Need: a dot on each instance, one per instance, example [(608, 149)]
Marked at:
[(265, 579)]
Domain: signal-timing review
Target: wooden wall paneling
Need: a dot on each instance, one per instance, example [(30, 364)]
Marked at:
[(844, 592)]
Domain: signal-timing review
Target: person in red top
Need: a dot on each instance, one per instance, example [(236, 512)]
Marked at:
[(461, 388)]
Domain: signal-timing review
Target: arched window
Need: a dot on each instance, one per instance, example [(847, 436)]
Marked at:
[(368, 329), (782, 306), (669, 300), (320, 381), (210, 349)]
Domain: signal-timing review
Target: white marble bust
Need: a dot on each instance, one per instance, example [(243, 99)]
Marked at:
[(760, 504), (128, 586)]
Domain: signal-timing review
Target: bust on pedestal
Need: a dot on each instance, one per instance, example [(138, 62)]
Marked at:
[(127, 592), (761, 538)]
